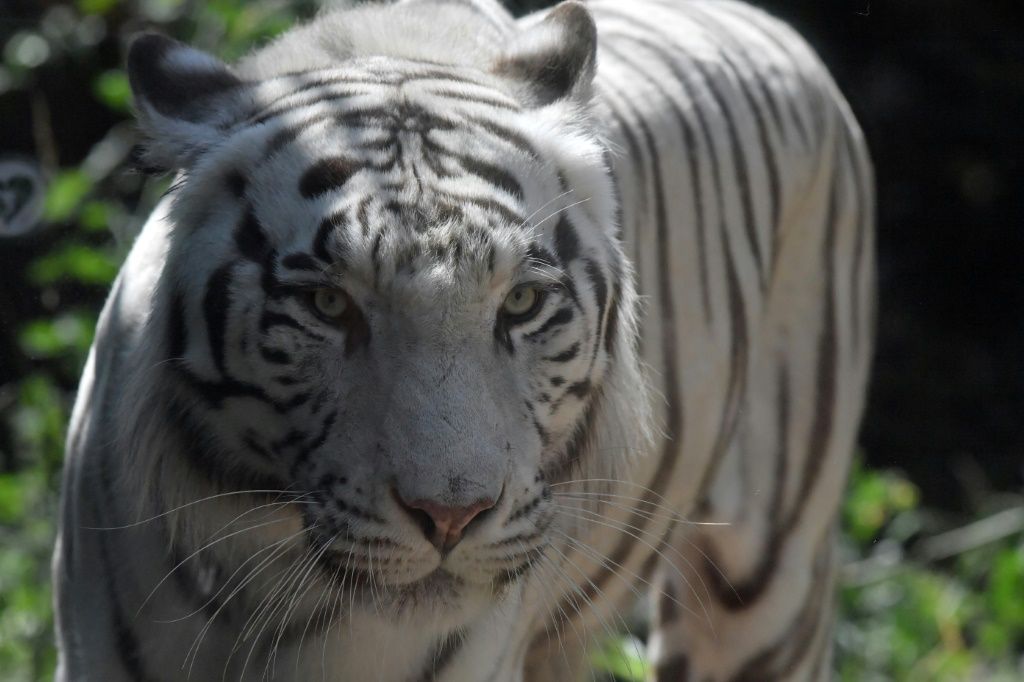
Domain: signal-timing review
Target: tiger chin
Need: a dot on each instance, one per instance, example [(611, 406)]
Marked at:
[(376, 395)]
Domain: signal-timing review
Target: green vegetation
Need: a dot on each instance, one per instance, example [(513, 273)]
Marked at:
[(924, 596)]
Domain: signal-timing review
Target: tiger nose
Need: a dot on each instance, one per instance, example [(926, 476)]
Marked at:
[(443, 524)]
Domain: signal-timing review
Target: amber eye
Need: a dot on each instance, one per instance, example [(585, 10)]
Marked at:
[(523, 302), (330, 303)]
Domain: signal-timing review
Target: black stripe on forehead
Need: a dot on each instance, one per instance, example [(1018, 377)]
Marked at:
[(567, 243), (539, 255), (326, 175), (250, 238), (328, 244)]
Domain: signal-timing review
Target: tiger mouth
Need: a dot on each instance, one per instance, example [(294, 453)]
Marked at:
[(439, 585), (338, 569)]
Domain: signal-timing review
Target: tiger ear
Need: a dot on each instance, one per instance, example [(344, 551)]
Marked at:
[(185, 99), (554, 59)]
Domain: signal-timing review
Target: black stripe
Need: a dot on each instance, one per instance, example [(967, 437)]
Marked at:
[(488, 204), (489, 173), (796, 66), (638, 176), (505, 134), (767, 149), (306, 451), (289, 134), (216, 392), (200, 450), (827, 360), (270, 319), (673, 429), (236, 183), (326, 175), (567, 244), (561, 317), (250, 239), (737, 382), (177, 330), (494, 102), (738, 155), (275, 356), (675, 669), (611, 330), (777, 661), (733, 594), (580, 389), (301, 261), (538, 255), (216, 303), (442, 654), (284, 106), (693, 164), (600, 284), (126, 640), (333, 225), (860, 169), (566, 355), (578, 445)]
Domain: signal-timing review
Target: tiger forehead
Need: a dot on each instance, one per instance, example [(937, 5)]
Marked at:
[(441, 241)]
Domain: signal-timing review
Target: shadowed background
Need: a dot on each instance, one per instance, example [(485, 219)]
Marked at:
[(938, 86)]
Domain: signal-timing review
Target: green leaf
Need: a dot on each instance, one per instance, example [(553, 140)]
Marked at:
[(112, 88), (74, 262), (66, 192), (12, 498), (67, 334), (96, 6), (95, 216), (624, 658)]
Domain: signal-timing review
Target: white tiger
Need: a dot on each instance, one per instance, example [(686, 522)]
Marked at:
[(457, 335)]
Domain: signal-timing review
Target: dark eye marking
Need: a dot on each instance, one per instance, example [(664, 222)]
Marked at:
[(325, 176), (561, 317), (566, 355), (301, 261)]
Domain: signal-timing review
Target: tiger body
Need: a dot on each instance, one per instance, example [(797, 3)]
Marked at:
[(676, 420)]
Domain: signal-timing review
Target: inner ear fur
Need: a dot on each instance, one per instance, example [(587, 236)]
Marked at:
[(174, 79), (184, 100), (555, 59)]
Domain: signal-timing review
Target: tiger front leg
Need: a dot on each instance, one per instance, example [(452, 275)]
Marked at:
[(773, 626)]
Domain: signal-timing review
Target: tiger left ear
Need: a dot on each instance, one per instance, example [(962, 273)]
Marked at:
[(555, 59), (184, 98)]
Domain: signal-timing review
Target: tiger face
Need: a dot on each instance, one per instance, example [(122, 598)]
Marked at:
[(395, 291)]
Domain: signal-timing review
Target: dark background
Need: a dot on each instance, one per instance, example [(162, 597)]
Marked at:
[(939, 88)]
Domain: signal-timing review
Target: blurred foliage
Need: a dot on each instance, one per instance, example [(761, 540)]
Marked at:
[(907, 612)]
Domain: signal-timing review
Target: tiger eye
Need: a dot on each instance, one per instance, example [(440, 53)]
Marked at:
[(521, 301), (330, 303)]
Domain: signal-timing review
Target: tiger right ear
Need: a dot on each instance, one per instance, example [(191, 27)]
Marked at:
[(185, 99), (555, 59)]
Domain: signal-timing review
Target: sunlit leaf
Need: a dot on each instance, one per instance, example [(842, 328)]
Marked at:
[(68, 333), (112, 88), (66, 192), (74, 262), (96, 6)]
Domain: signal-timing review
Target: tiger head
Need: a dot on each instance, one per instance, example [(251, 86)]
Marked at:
[(394, 290)]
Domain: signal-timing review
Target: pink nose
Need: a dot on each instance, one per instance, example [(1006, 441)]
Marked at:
[(442, 524)]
